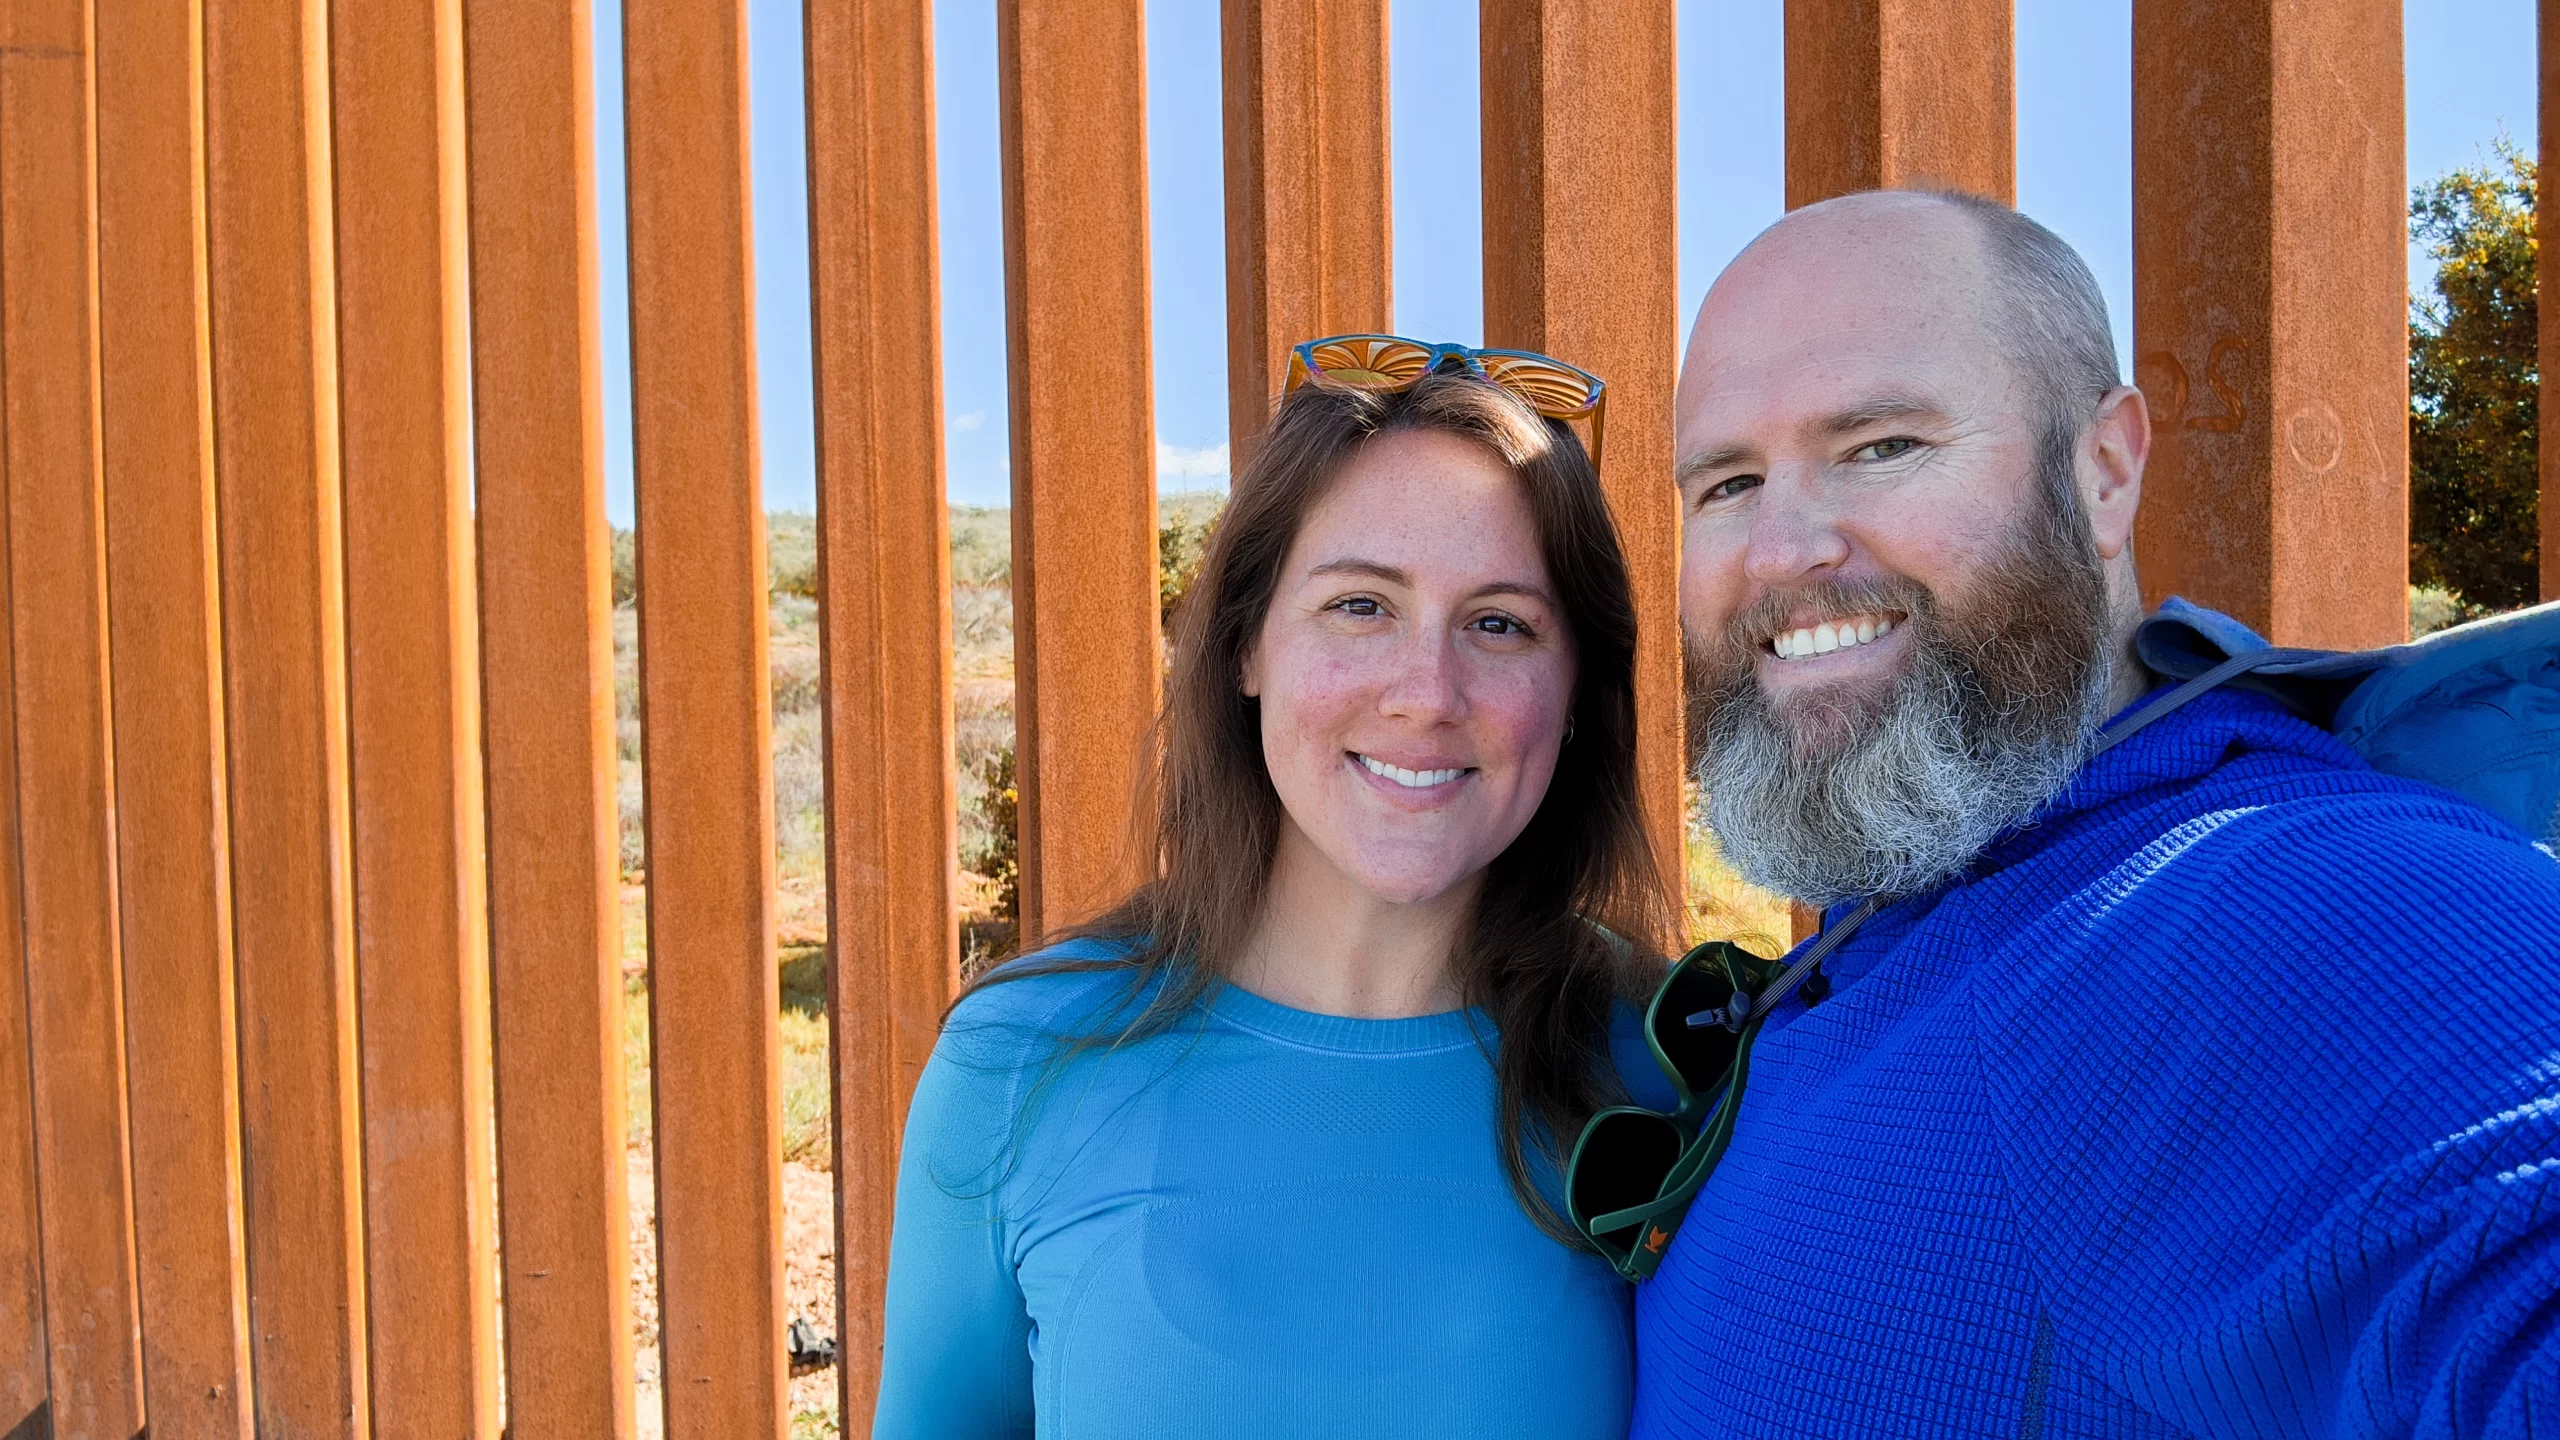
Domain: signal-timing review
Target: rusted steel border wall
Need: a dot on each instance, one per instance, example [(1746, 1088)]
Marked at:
[(2271, 313), (270, 970)]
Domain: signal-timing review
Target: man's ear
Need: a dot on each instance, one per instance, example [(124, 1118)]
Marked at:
[(2111, 461)]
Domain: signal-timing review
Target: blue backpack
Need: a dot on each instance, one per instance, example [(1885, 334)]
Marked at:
[(2474, 709)]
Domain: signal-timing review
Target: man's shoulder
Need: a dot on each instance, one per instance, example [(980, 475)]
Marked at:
[(2353, 848)]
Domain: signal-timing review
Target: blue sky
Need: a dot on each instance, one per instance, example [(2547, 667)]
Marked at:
[(2470, 67)]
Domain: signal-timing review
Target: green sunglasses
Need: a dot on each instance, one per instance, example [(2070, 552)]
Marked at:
[(1634, 1171)]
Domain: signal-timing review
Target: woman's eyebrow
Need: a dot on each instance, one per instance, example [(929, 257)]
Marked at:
[(1370, 568), (1377, 570), (1531, 589)]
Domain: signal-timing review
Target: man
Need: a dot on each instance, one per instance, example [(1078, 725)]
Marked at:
[(2209, 1086)]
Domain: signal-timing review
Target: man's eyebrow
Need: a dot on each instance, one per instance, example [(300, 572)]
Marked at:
[(1878, 410), (1723, 457)]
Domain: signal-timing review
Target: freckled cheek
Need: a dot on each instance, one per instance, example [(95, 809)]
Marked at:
[(1313, 702), (1518, 715)]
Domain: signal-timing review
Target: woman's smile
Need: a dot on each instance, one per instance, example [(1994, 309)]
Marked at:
[(1423, 784)]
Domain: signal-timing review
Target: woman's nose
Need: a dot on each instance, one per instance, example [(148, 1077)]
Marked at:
[(1425, 685)]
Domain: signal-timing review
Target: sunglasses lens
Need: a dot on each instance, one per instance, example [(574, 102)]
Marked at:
[(1623, 1160), (1701, 1053), (1370, 362), (1550, 388)]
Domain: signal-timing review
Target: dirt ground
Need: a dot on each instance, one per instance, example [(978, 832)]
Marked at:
[(809, 1283)]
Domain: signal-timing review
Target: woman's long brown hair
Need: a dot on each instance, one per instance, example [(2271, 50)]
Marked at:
[(1569, 917)]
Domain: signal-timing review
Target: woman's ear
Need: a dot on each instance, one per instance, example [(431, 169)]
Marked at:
[(1250, 679)]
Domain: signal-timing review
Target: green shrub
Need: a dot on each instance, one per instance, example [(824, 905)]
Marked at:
[(2474, 383)]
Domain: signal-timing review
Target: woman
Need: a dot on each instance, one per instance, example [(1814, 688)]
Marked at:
[(1269, 1148)]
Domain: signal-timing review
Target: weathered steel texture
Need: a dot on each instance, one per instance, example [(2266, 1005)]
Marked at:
[(1900, 94), (284, 647), (546, 654), (705, 709), (396, 102), (1803, 923), (2547, 235), (57, 585), (1087, 657), (172, 830), (2270, 316), (23, 1395), (884, 589), (1309, 233), (1581, 261)]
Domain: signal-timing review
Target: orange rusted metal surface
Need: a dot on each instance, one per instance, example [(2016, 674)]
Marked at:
[(66, 875), (1581, 261), (1087, 657), (284, 649), (172, 823), (1309, 234), (706, 712), (1900, 94), (1803, 923), (884, 587), (2271, 319), (2547, 236), (396, 102), (546, 651), (24, 1406)]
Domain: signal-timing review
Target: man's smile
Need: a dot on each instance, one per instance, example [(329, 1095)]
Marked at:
[(1810, 636)]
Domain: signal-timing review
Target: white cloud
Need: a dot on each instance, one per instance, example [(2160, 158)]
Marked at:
[(970, 421), (1181, 462)]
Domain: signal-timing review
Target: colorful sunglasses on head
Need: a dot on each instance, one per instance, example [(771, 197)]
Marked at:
[(1392, 363)]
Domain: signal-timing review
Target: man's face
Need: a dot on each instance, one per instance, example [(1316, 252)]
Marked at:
[(1895, 615), (1843, 445)]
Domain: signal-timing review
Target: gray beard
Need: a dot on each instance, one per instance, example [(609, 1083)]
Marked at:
[(2000, 706)]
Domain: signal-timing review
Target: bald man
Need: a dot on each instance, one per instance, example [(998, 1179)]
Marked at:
[(2206, 1085)]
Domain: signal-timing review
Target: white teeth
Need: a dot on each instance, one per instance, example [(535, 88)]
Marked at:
[(1410, 779), (1830, 635)]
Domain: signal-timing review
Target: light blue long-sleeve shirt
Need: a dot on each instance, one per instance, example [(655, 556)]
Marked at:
[(1263, 1222)]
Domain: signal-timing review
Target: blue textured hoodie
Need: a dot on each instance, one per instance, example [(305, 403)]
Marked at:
[(2224, 1100)]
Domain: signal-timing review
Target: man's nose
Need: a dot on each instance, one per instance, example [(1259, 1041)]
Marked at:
[(1793, 533)]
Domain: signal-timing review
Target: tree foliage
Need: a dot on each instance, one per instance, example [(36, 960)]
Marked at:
[(2474, 474)]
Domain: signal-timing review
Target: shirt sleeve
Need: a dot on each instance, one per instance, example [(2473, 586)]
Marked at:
[(2285, 1144), (955, 1361)]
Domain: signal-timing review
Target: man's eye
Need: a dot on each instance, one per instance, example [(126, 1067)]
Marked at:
[(1891, 449), (1728, 488)]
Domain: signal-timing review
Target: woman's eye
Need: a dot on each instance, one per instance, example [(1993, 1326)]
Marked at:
[(1363, 606), (1500, 625), (1891, 449)]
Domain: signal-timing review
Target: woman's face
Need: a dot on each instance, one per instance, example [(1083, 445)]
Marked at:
[(1414, 670)]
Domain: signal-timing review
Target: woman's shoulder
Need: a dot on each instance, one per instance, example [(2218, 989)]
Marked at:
[(1024, 1007)]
